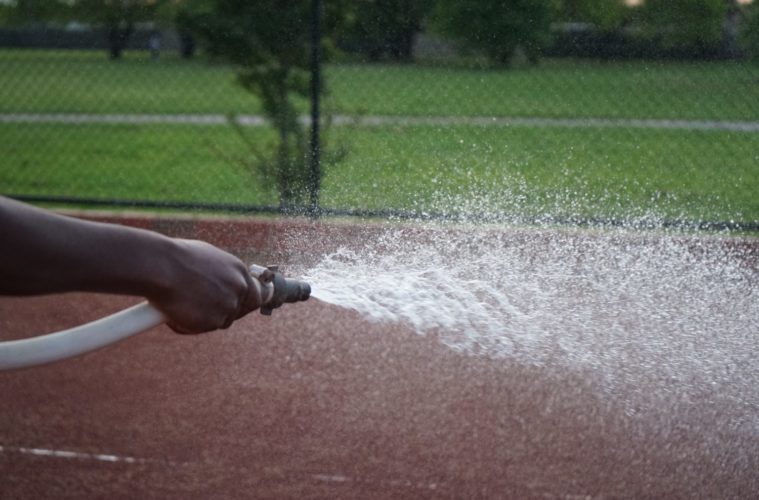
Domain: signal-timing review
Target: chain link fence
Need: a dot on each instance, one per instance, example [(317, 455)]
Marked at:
[(579, 139)]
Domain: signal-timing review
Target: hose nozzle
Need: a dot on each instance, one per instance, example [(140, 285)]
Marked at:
[(278, 290)]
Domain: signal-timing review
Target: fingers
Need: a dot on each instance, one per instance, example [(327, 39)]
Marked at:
[(237, 299), (252, 298), (178, 329), (210, 290)]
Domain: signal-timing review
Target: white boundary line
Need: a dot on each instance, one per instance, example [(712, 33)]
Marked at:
[(68, 454), (112, 458), (377, 121)]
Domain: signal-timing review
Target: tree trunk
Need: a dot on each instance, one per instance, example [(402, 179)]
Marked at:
[(117, 39)]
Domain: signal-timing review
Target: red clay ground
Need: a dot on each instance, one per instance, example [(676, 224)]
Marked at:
[(315, 402)]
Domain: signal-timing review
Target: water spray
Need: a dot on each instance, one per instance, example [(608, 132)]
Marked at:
[(275, 289)]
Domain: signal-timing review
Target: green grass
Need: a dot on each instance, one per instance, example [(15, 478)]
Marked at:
[(514, 171), (524, 171), (181, 163), (561, 88), (569, 172), (44, 81), (86, 82)]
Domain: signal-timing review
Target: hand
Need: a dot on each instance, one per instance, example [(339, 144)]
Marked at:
[(208, 288), (197, 286)]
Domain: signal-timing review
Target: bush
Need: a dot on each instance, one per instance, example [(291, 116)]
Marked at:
[(694, 26), (605, 15), (384, 29), (498, 28)]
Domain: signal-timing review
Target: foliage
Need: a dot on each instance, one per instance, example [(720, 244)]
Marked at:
[(606, 15), (695, 25), (385, 28), (173, 14), (119, 17), (498, 28), (749, 36), (268, 41), (29, 12), (25, 13)]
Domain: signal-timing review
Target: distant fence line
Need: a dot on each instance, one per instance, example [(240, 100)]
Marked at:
[(81, 39), (583, 41), (412, 215)]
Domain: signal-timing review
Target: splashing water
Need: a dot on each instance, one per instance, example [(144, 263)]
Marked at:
[(640, 311)]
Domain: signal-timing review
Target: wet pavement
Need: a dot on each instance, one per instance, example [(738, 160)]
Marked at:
[(317, 402)]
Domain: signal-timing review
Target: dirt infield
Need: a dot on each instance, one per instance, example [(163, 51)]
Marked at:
[(316, 402)]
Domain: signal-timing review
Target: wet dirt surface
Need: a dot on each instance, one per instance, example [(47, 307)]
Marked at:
[(316, 402)]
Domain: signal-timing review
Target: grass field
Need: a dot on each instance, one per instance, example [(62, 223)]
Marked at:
[(85, 82), (558, 88), (527, 171), (127, 162), (521, 171), (696, 175)]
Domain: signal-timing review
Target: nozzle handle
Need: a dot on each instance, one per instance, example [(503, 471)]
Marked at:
[(283, 290)]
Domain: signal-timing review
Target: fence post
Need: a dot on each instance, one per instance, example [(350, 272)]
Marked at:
[(315, 147)]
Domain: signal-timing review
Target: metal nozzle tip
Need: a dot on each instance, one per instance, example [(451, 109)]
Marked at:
[(296, 291)]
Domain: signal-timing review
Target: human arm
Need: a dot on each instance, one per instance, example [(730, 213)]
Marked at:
[(197, 286)]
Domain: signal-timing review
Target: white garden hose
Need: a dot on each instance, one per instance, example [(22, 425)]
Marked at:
[(275, 291), (79, 340)]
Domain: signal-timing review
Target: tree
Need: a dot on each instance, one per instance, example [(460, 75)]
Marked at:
[(498, 27), (693, 25), (172, 14), (29, 12), (268, 41), (118, 17), (386, 27), (606, 15), (749, 34)]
